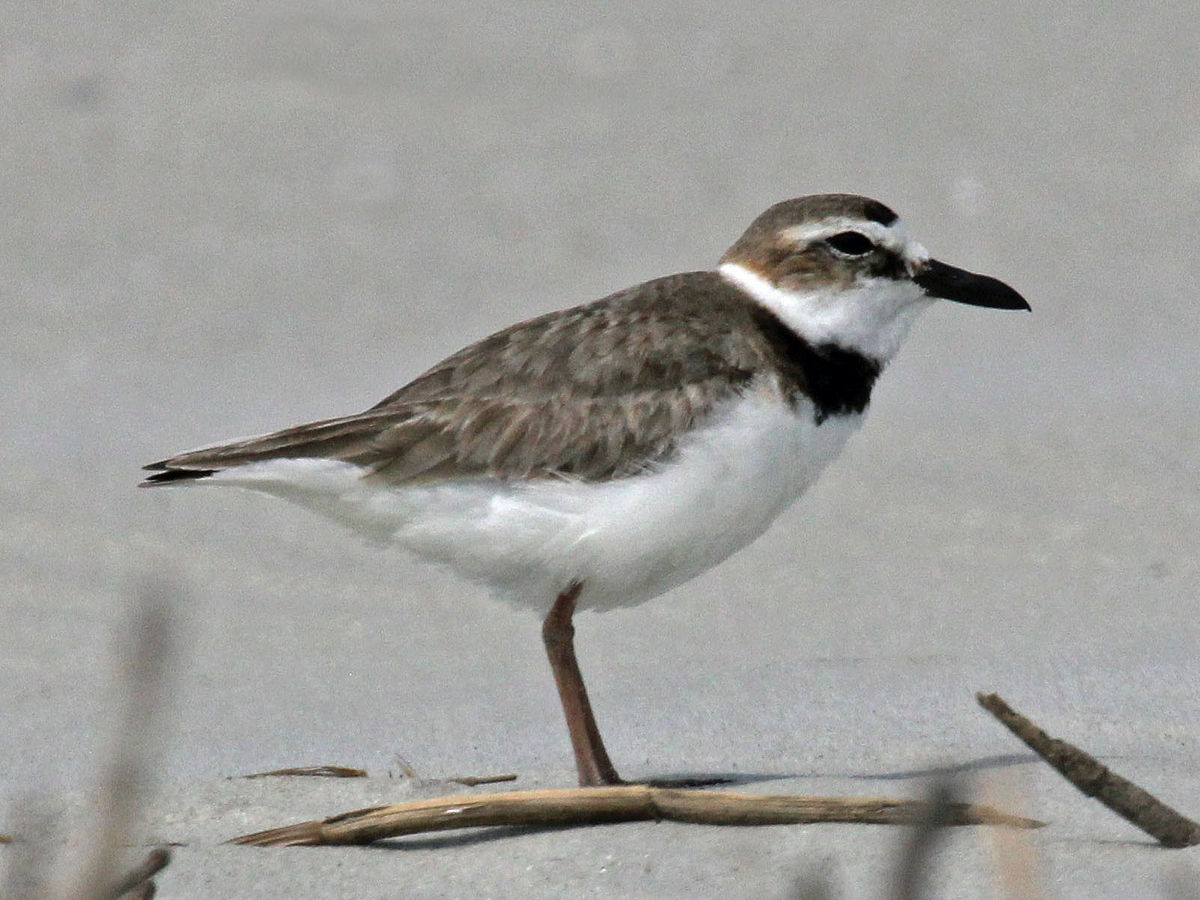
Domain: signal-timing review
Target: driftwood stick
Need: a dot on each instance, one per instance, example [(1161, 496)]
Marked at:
[(589, 806), (1089, 775)]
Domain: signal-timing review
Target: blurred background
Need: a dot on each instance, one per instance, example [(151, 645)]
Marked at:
[(225, 218)]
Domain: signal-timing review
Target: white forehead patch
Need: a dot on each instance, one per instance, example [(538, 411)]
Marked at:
[(892, 237)]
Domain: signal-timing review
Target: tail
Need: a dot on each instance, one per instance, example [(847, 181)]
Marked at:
[(349, 438), (165, 475)]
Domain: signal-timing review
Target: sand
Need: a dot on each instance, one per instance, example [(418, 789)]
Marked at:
[(222, 219)]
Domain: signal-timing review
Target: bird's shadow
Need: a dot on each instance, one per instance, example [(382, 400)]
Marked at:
[(712, 779), (983, 763), (467, 838), (706, 779)]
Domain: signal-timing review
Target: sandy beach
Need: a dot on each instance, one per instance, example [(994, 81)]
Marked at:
[(227, 218)]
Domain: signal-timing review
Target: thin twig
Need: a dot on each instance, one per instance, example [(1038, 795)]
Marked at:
[(589, 806), (313, 772), (476, 780), (1122, 796)]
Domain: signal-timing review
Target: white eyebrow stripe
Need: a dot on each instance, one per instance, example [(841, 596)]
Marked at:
[(884, 235), (892, 237)]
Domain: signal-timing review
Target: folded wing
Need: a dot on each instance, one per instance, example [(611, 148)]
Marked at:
[(596, 392)]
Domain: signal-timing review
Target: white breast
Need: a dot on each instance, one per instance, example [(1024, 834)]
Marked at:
[(626, 540)]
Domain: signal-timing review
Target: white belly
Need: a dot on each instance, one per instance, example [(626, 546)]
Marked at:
[(626, 540)]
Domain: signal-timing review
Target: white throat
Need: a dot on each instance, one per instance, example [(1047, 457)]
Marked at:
[(872, 317)]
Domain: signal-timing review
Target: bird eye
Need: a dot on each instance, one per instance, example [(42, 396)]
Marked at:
[(852, 243)]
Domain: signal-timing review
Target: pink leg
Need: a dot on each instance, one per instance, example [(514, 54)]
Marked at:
[(558, 634)]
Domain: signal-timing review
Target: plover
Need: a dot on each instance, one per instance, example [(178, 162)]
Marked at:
[(597, 456)]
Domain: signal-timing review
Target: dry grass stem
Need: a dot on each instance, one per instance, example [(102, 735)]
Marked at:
[(591, 806), (1121, 795), (476, 780), (135, 735), (313, 772), (135, 728)]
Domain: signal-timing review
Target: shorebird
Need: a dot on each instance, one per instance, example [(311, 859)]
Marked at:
[(598, 456)]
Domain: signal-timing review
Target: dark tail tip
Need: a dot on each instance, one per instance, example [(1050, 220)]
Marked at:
[(167, 476)]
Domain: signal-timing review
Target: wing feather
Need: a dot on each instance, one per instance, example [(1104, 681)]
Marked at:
[(595, 392)]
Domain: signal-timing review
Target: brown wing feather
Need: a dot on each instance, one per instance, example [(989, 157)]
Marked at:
[(595, 392)]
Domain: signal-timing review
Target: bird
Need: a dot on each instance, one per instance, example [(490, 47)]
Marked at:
[(597, 456)]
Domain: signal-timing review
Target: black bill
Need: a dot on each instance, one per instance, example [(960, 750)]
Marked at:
[(949, 283)]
